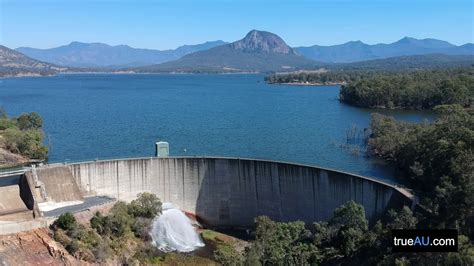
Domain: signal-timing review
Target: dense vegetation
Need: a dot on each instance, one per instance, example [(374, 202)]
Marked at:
[(23, 135), (400, 89), (437, 160), (346, 239), (318, 77), (413, 90), (123, 234)]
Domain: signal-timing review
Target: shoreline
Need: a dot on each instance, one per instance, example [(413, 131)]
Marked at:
[(309, 84), (127, 73)]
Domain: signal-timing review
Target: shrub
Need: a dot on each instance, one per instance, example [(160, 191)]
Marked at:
[(141, 228), (72, 247), (227, 255), (119, 221), (6, 123), (66, 221), (98, 222), (61, 237)]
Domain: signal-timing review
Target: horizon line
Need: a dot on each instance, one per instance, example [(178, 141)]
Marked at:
[(297, 46)]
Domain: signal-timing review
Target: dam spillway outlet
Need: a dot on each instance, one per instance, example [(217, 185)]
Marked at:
[(173, 231)]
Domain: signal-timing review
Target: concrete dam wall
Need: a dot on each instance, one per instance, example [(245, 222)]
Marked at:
[(226, 192)]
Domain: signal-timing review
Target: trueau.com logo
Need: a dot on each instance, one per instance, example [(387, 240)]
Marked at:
[(425, 240)]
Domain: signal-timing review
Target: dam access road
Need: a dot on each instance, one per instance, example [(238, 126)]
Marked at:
[(221, 192)]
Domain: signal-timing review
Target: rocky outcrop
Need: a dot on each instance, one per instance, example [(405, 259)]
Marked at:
[(8, 159), (34, 247), (262, 41)]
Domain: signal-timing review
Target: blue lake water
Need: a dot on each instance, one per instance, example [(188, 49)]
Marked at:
[(109, 116)]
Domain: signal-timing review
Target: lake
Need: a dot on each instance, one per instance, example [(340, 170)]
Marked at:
[(110, 116)]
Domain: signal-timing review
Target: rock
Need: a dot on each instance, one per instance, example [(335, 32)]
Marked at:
[(262, 41), (35, 247)]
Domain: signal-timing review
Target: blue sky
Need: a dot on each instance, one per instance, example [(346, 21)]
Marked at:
[(164, 24)]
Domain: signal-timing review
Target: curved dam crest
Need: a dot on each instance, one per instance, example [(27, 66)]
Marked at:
[(231, 192)]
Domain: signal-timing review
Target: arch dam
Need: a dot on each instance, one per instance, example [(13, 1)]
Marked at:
[(221, 192)]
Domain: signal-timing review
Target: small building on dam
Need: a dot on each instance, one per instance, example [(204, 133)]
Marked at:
[(221, 192)]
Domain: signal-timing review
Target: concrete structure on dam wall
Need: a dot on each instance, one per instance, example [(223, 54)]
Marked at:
[(221, 192), (230, 192)]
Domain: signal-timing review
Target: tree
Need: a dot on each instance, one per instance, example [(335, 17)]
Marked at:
[(29, 121), (352, 225), (30, 144), (283, 243), (147, 205), (404, 219), (350, 214)]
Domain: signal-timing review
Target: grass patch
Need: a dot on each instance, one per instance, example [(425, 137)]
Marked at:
[(180, 259)]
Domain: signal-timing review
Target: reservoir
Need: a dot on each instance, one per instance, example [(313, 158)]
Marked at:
[(115, 116)]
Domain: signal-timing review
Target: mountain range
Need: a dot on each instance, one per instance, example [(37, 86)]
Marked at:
[(78, 54), (358, 51), (258, 51)]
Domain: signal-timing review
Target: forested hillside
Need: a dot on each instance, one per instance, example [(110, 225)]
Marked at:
[(421, 89), (413, 90), (436, 160)]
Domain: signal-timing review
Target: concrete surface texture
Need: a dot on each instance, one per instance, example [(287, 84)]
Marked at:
[(15, 199), (225, 192), (59, 184), (11, 200)]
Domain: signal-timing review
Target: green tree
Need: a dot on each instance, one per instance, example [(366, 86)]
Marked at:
[(283, 243), (403, 219), (349, 219), (29, 121), (146, 205)]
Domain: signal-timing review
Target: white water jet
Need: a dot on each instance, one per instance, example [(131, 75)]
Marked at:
[(173, 231)]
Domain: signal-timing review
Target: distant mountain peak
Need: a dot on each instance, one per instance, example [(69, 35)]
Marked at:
[(358, 42), (407, 39), (79, 44), (262, 41), (358, 51)]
